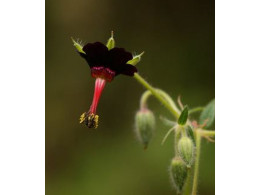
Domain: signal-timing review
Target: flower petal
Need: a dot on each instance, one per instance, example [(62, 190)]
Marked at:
[(96, 54), (118, 56), (126, 69)]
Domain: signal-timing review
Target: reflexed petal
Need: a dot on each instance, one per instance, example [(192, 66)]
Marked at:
[(127, 69), (96, 54), (118, 56)]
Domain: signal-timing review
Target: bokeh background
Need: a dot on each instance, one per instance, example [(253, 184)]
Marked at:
[(178, 40)]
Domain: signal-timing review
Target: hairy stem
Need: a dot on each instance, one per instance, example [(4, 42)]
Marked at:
[(169, 99), (187, 187), (196, 168), (144, 99), (176, 139), (148, 93), (175, 112), (210, 133)]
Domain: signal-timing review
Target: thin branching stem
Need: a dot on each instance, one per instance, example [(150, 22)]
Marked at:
[(175, 112), (209, 133), (148, 93), (168, 102), (144, 98)]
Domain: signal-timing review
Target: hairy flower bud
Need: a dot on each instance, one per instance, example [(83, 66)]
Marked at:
[(186, 150), (178, 173), (144, 126)]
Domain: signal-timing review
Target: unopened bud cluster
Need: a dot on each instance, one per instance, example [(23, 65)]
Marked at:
[(185, 152)]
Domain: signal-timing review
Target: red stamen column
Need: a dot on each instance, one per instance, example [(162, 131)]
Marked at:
[(99, 86)]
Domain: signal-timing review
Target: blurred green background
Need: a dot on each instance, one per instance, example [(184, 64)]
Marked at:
[(178, 40)]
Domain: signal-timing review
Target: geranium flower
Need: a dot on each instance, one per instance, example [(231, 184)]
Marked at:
[(105, 62)]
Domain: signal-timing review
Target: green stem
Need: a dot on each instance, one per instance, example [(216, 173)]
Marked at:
[(196, 168), (176, 139), (210, 133), (197, 109), (187, 187), (148, 93), (157, 94), (144, 98), (169, 99)]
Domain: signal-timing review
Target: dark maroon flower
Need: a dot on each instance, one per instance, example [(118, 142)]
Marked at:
[(105, 63)]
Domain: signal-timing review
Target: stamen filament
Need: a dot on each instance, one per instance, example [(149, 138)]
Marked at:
[(99, 86)]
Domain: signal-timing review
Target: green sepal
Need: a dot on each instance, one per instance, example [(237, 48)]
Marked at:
[(184, 116), (78, 46), (111, 42), (208, 114), (136, 59)]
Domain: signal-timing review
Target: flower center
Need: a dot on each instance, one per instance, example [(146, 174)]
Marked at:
[(103, 73)]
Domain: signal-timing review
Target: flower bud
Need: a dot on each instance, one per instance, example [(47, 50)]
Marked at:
[(136, 59), (144, 126), (178, 173), (111, 41), (186, 150)]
